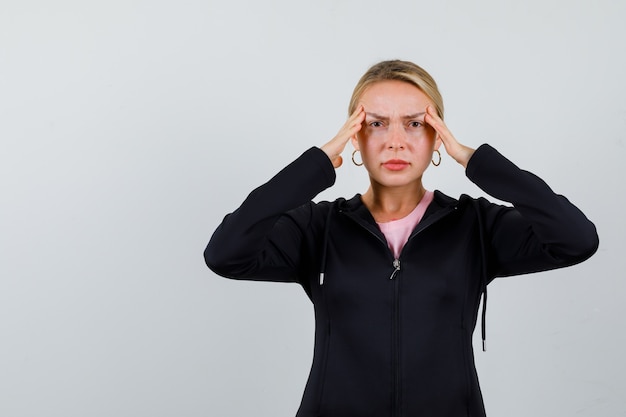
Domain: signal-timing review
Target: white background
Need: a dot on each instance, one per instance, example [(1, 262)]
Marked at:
[(130, 128)]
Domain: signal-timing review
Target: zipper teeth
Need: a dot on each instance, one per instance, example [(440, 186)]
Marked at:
[(396, 380), (396, 343)]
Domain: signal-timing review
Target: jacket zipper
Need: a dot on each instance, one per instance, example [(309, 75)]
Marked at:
[(396, 380), (396, 268)]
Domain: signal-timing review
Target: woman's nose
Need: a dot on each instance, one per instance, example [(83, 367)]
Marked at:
[(396, 137)]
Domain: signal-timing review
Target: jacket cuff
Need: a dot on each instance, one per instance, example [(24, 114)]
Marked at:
[(319, 157), (483, 153)]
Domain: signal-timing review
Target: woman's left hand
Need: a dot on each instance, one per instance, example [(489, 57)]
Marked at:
[(457, 151)]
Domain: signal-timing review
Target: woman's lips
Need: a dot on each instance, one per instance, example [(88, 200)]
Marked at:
[(395, 164)]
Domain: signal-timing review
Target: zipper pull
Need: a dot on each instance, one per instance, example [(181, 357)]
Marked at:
[(396, 268)]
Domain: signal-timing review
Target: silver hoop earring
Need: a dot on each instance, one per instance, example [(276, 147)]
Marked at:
[(438, 160), (354, 161)]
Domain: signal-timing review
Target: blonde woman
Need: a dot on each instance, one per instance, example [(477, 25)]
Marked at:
[(396, 275)]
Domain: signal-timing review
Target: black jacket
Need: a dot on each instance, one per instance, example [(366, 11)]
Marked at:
[(393, 337)]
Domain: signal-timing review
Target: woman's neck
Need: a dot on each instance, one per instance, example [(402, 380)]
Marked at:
[(392, 203)]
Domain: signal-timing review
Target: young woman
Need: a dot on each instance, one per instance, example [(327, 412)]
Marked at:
[(396, 274)]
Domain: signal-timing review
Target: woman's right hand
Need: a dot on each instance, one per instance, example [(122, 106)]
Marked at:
[(335, 147)]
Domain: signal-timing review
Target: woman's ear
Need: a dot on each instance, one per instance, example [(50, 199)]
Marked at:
[(355, 142), (438, 142)]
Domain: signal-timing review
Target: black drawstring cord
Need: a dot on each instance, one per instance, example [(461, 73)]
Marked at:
[(483, 279), (483, 325)]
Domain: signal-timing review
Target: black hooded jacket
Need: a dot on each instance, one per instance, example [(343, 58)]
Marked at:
[(393, 337)]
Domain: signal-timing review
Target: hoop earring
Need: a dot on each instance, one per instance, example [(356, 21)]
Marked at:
[(354, 161), (439, 160)]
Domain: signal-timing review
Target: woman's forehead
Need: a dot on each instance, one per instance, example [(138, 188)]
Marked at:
[(387, 98)]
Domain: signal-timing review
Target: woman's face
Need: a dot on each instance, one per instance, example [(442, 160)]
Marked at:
[(396, 145)]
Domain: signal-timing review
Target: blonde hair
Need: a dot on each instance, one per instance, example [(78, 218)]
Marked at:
[(399, 71)]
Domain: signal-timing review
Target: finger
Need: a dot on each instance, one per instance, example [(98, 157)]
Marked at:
[(357, 117), (354, 123), (357, 111), (433, 119), (336, 145)]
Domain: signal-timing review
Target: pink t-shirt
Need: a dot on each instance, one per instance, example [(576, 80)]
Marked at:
[(397, 232)]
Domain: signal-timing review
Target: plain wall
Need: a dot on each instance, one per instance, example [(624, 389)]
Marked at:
[(129, 129)]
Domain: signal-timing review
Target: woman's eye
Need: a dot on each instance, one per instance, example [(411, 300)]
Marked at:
[(376, 124), (416, 124)]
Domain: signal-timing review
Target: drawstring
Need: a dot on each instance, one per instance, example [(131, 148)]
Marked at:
[(483, 280), (483, 324), (325, 246)]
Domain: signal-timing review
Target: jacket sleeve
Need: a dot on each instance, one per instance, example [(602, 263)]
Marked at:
[(542, 230), (261, 240)]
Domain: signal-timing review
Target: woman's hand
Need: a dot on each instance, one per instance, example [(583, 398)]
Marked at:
[(335, 147), (458, 152)]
